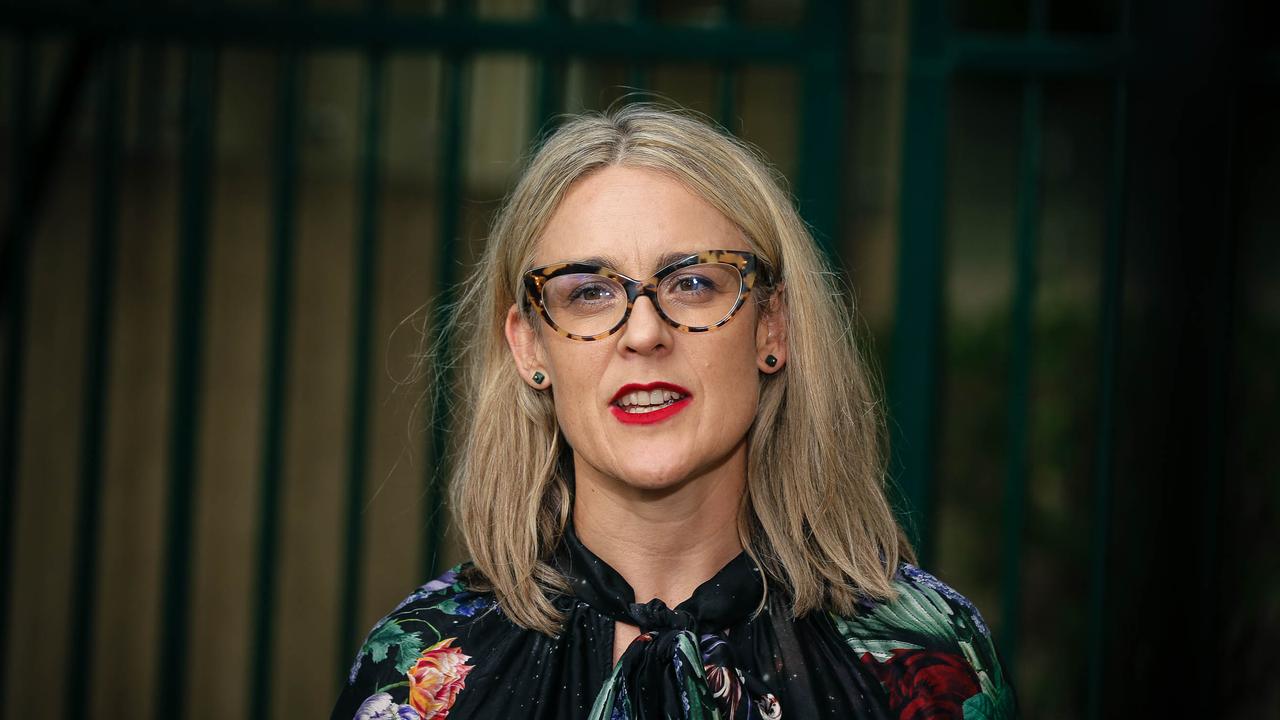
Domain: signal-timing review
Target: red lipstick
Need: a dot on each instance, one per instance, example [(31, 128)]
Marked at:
[(646, 418)]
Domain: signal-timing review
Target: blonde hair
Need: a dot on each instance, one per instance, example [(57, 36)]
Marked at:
[(814, 516)]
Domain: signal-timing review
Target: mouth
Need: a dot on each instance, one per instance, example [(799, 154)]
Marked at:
[(648, 403)]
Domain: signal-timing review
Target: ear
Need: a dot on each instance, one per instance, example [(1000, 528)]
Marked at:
[(522, 339), (771, 332)]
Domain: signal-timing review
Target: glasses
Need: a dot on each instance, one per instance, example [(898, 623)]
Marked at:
[(591, 302)]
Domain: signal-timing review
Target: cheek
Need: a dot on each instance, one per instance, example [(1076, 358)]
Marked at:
[(577, 371), (731, 380)]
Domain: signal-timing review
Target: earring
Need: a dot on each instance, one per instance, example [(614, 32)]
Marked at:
[(770, 360), (538, 377)]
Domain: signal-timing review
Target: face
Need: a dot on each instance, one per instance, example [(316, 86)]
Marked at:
[(635, 221)]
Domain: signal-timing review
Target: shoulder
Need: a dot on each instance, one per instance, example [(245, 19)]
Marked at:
[(916, 583), (431, 633), (450, 595), (929, 647)]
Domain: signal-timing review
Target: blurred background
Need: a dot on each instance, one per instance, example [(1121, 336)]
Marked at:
[(227, 224)]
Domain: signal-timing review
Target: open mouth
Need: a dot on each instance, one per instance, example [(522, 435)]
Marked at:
[(649, 403), (640, 402)]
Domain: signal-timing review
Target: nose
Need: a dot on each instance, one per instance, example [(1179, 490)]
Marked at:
[(645, 332)]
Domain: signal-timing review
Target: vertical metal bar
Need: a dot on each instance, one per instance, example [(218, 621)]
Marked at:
[(639, 79), (1110, 307), (284, 224), (197, 169), (638, 76), (152, 69), (365, 265), (1217, 328), (101, 283), (36, 157), (726, 104), (1107, 361), (1019, 409), (15, 301), (728, 80), (1038, 17), (453, 101), (914, 374), (822, 130), (1026, 238), (551, 73), (45, 149)]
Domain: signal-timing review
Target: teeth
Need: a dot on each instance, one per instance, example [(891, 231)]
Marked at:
[(648, 401), (642, 409)]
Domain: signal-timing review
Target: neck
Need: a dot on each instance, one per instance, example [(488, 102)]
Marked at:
[(664, 542)]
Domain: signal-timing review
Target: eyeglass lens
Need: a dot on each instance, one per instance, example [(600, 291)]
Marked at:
[(589, 304)]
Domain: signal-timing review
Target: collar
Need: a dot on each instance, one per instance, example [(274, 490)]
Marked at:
[(731, 595)]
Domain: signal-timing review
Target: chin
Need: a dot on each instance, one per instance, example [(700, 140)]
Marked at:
[(651, 478)]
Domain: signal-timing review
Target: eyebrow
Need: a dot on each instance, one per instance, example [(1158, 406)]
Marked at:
[(612, 264)]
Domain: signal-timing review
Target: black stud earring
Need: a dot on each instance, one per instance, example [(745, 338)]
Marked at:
[(770, 360), (538, 377)]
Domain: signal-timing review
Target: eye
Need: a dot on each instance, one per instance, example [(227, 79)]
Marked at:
[(591, 292), (693, 284)]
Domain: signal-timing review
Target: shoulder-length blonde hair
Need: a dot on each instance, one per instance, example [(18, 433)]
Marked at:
[(814, 515)]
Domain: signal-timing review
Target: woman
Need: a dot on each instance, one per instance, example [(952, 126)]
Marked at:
[(670, 473)]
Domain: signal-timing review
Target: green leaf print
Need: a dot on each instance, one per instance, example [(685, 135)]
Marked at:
[(987, 707), (390, 635), (862, 643), (601, 708), (448, 607), (701, 705), (879, 631)]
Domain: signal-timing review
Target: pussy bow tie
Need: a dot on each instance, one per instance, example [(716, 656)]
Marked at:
[(681, 665)]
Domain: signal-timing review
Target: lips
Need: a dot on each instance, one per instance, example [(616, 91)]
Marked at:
[(648, 403)]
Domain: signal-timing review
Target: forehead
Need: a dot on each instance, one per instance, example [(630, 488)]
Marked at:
[(632, 220)]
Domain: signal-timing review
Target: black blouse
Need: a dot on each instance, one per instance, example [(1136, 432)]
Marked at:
[(449, 652)]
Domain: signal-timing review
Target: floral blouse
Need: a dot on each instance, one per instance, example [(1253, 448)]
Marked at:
[(448, 651)]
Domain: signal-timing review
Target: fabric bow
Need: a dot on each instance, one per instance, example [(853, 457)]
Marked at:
[(676, 674), (680, 666)]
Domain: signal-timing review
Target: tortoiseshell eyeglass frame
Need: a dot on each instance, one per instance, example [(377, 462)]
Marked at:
[(745, 262)]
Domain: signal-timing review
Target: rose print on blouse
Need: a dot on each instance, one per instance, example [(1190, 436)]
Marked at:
[(925, 683), (436, 679), (931, 652)]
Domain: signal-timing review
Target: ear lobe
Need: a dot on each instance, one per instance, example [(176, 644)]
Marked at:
[(522, 340), (771, 334)]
